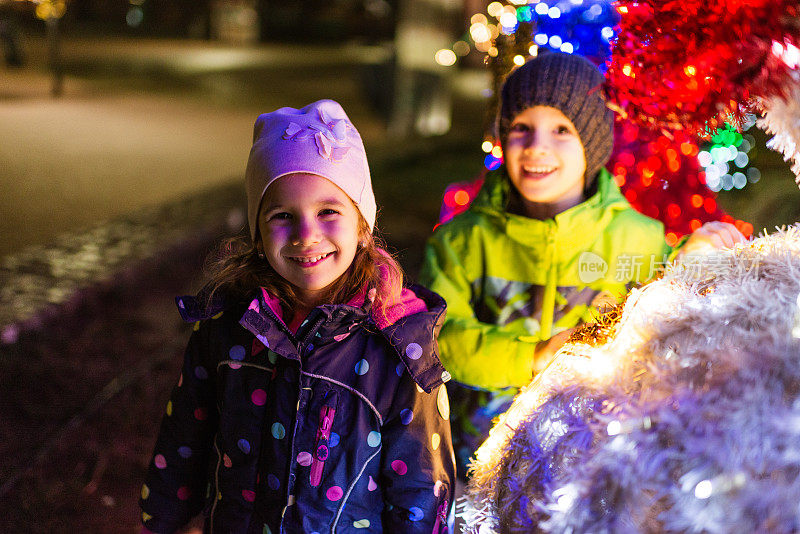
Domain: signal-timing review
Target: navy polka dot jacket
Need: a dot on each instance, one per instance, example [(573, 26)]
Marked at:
[(342, 427)]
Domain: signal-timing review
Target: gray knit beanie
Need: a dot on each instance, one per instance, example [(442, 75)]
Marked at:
[(571, 84)]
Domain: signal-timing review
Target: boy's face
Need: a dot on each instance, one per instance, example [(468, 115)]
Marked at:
[(309, 232), (545, 160)]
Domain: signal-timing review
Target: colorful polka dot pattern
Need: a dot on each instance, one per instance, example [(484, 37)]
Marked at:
[(237, 353), (259, 397), (362, 367), (415, 514), (374, 439), (399, 467), (406, 416), (414, 351), (334, 493), (443, 403), (278, 431)]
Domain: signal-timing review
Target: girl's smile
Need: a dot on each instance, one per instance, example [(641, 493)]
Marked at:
[(310, 261), (309, 232)]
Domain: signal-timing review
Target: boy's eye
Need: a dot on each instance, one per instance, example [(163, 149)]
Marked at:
[(563, 130), (519, 127)]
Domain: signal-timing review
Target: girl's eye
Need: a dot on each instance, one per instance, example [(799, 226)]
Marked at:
[(328, 211), (563, 130), (519, 127), (280, 216)]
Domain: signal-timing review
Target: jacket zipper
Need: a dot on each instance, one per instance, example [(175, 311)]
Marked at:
[(321, 447), (441, 517)]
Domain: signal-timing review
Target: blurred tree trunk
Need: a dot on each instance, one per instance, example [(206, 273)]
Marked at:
[(422, 98)]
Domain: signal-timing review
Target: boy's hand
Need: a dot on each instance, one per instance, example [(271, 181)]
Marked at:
[(545, 350), (712, 235)]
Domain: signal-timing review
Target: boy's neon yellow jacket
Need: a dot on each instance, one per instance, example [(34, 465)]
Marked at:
[(511, 281)]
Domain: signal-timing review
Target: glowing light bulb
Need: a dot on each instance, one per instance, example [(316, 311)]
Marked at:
[(479, 18), (614, 428), (445, 57), (461, 197), (703, 490), (480, 32), (508, 20), (495, 9)]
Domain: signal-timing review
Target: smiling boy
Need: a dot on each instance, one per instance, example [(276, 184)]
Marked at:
[(547, 239)]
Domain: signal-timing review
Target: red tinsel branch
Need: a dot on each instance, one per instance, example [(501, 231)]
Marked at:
[(693, 65)]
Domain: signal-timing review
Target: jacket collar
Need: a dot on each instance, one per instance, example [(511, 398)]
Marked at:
[(410, 328), (413, 337), (573, 226)]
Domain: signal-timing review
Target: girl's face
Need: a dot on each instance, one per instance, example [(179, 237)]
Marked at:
[(309, 232), (545, 160)]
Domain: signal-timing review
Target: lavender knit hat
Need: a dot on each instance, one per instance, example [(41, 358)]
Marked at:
[(317, 139), (571, 84)]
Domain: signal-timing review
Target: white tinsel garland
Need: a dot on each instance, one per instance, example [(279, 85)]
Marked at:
[(781, 117), (687, 419)]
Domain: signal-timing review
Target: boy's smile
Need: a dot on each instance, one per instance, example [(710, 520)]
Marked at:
[(545, 161), (309, 231)]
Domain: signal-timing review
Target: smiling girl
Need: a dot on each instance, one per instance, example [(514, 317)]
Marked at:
[(312, 396)]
